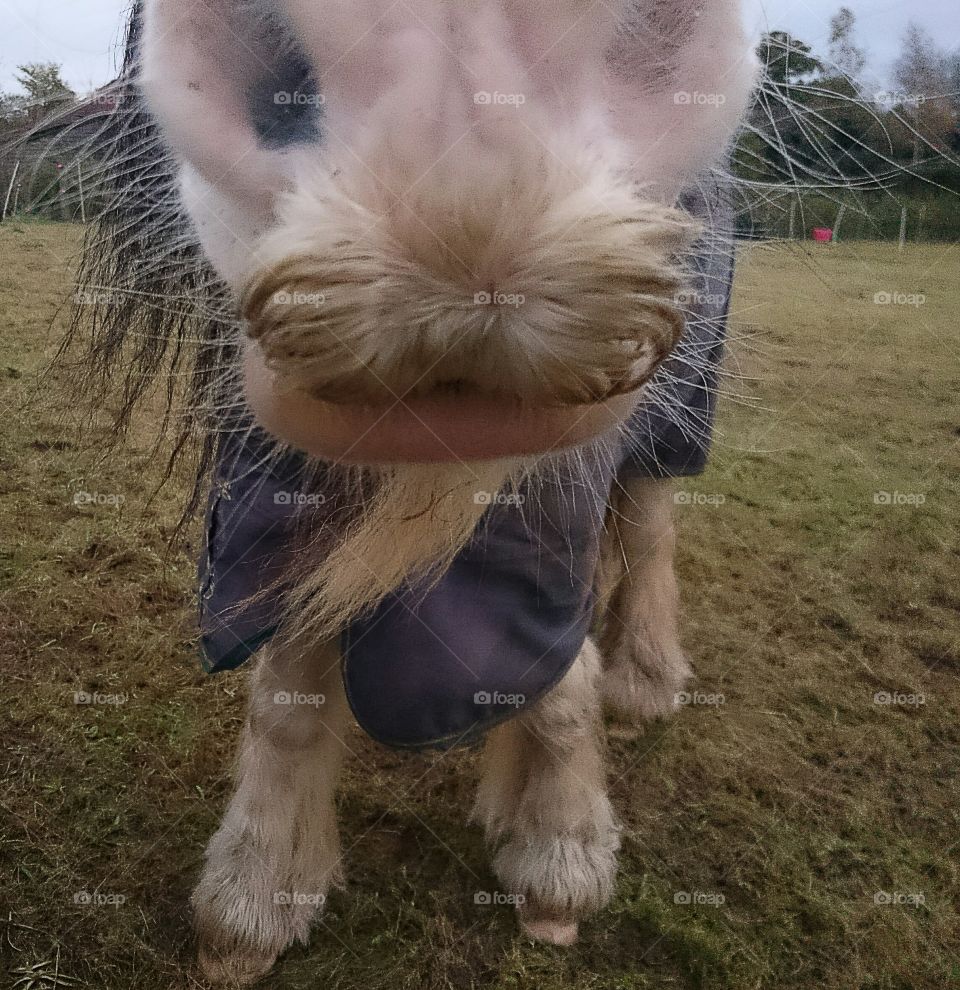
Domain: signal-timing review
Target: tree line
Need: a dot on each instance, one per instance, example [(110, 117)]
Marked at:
[(821, 139)]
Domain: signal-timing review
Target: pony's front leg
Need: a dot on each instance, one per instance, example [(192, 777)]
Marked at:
[(543, 803), (270, 865), (644, 667)]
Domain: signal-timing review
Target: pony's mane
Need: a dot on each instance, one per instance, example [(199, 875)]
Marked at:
[(151, 314)]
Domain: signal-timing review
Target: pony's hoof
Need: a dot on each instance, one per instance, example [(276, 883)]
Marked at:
[(636, 692), (544, 928), (234, 967)]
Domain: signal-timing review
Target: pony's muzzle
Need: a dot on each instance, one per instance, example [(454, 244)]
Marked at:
[(570, 310)]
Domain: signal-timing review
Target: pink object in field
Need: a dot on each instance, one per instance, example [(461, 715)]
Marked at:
[(824, 235)]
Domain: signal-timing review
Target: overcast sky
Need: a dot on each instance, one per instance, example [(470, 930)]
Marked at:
[(82, 35)]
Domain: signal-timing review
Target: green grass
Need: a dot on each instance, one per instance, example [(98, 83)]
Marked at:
[(798, 800)]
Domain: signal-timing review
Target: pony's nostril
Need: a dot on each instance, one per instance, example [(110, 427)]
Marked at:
[(285, 103), (371, 347)]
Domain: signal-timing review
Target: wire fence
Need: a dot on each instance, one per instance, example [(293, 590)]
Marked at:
[(37, 189), (878, 216)]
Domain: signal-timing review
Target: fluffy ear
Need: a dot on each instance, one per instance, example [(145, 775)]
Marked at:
[(195, 67), (682, 74)]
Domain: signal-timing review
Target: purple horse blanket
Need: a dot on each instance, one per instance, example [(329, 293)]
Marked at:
[(440, 665)]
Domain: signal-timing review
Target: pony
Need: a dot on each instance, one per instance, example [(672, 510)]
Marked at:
[(460, 271)]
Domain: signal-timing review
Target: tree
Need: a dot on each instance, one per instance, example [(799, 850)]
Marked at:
[(812, 122), (846, 57), (777, 146), (954, 79), (42, 83), (787, 59), (43, 89), (924, 75)]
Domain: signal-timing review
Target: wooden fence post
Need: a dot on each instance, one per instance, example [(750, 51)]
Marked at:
[(6, 202), (836, 226), (83, 208)]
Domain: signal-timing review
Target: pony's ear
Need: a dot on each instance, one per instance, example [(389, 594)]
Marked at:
[(194, 73), (648, 38), (682, 74), (661, 41)]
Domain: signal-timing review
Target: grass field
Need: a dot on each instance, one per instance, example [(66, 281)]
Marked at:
[(812, 817)]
